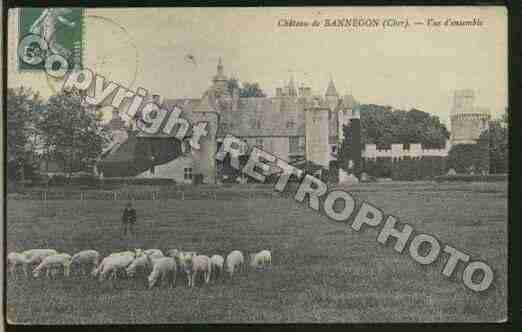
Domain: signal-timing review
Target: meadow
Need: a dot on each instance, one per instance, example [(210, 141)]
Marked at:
[(322, 271)]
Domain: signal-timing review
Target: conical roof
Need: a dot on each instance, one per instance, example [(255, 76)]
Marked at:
[(331, 90)]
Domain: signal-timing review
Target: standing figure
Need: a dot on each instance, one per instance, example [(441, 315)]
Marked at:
[(128, 219)]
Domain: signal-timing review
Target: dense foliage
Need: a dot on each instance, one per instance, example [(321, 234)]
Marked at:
[(383, 126), (245, 89), (71, 135), (24, 106)]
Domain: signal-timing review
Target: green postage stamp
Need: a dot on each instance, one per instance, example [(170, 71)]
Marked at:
[(61, 28)]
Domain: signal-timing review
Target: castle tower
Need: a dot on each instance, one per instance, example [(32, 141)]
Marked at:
[(317, 133), (467, 120), (292, 91), (344, 114), (331, 95), (220, 80)]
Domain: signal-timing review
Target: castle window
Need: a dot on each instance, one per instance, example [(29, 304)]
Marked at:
[(293, 142), (187, 173)]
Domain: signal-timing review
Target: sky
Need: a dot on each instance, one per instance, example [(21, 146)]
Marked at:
[(418, 66)]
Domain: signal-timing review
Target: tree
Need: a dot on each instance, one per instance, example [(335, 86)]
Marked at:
[(383, 126), (251, 90), (71, 135), (23, 106), (246, 89), (496, 137)]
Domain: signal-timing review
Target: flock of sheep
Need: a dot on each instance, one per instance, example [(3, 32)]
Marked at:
[(161, 268)]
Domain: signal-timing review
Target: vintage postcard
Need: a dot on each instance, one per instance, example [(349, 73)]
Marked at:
[(256, 165)]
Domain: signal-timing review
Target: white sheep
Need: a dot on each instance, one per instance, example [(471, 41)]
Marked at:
[(54, 261), (163, 268), (154, 253), (86, 258), (111, 264), (133, 253), (217, 262), (261, 259), (141, 263), (100, 267), (234, 261), (35, 256), (172, 253), (15, 259), (195, 265), (182, 258)]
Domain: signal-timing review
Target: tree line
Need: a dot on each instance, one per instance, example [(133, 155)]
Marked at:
[(383, 126), (59, 130)]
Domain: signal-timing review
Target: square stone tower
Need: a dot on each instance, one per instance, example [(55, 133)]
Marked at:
[(317, 132)]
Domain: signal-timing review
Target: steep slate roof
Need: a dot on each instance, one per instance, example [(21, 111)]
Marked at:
[(331, 90), (259, 116), (279, 116)]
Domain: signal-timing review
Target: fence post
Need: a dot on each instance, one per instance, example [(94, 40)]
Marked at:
[(46, 207), (82, 198)]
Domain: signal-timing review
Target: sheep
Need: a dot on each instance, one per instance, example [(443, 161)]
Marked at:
[(15, 259), (217, 262), (111, 264), (234, 260), (196, 264), (100, 267), (54, 261), (141, 263), (86, 257), (133, 253), (172, 253), (162, 268), (261, 259), (154, 253), (181, 257), (35, 256)]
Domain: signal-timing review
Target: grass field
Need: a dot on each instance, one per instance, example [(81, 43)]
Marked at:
[(322, 271)]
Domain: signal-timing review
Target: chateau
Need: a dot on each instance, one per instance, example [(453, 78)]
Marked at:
[(294, 125)]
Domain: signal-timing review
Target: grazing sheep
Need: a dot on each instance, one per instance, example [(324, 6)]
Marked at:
[(163, 268), (15, 259), (154, 253), (217, 262), (54, 261), (262, 259), (234, 261), (182, 257), (195, 265), (139, 263), (86, 258), (35, 256), (100, 267), (172, 252), (111, 264), (133, 253)]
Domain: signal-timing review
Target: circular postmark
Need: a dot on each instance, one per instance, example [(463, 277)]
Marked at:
[(114, 54)]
